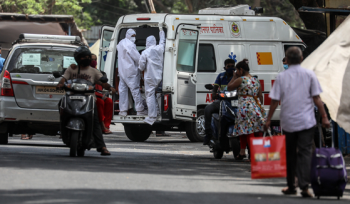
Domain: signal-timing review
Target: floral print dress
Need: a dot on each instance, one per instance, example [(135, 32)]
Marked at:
[(250, 117)]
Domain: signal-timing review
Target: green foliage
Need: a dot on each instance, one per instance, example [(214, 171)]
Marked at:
[(64, 7), (98, 12)]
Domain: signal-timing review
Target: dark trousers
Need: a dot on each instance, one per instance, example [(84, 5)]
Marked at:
[(97, 132), (208, 111), (299, 153)]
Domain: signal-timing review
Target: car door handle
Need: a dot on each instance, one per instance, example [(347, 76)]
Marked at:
[(186, 82)]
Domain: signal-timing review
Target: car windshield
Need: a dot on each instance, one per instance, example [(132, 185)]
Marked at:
[(41, 60)]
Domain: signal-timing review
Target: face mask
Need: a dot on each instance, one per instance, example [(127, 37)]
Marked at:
[(285, 66), (133, 39), (230, 70), (84, 62), (93, 63)]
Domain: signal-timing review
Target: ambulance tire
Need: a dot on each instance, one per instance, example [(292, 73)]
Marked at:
[(192, 129), (137, 132)]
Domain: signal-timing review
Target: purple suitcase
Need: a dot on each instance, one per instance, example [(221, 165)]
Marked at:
[(328, 172)]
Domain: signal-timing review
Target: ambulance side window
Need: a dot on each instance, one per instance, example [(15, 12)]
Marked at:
[(206, 58), (186, 55)]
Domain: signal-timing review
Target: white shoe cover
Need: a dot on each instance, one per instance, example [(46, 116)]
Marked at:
[(150, 121), (123, 113), (144, 112)]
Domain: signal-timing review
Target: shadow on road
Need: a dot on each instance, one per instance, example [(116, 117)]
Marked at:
[(79, 196)]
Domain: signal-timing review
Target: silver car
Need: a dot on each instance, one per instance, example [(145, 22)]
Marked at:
[(29, 99)]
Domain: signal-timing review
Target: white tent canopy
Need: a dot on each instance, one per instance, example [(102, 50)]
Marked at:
[(331, 63)]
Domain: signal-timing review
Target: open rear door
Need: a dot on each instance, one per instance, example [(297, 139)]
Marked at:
[(105, 41), (185, 91)]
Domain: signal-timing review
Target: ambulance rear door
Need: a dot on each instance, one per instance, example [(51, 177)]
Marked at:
[(105, 41), (185, 87)]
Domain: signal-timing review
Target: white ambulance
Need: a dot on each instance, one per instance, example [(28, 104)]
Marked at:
[(196, 47)]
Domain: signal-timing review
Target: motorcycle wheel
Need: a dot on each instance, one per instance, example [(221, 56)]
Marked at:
[(73, 143), (81, 152), (235, 146), (218, 154)]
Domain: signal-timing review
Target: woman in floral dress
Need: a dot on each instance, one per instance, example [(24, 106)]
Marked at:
[(250, 118)]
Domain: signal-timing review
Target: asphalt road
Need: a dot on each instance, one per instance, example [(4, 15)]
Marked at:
[(161, 170)]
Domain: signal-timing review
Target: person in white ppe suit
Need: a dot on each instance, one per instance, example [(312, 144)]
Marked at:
[(151, 61), (129, 75)]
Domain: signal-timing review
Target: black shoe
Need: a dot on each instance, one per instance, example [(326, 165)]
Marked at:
[(206, 140)]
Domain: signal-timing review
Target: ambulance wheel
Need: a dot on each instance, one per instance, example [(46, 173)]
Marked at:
[(218, 154), (195, 131), (4, 138), (137, 132)]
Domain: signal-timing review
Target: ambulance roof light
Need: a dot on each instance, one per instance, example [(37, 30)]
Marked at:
[(240, 10), (26, 37)]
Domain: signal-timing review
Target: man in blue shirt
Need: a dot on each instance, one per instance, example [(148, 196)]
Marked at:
[(2, 61), (221, 82)]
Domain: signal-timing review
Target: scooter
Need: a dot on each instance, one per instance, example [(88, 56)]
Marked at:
[(223, 124), (76, 110)]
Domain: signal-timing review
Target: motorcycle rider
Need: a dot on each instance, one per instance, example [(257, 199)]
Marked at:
[(82, 56), (221, 82)]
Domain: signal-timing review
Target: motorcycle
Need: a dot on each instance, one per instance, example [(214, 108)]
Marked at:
[(76, 110), (223, 125)]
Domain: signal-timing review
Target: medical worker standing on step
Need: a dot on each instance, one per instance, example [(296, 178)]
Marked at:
[(151, 61), (129, 75)]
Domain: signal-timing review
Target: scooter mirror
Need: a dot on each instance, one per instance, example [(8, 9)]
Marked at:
[(56, 74), (209, 86), (103, 79)]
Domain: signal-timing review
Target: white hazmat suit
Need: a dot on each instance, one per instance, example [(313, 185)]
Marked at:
[(129, 75), (151, 61)]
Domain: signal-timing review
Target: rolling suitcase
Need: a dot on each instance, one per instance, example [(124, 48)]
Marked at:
[(328, 171)]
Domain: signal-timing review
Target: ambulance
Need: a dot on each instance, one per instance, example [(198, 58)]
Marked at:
[(196, 47)]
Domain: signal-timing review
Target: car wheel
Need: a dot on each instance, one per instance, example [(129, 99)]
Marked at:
[(4, 138), (137, 132), (196, 131), (74, 143)]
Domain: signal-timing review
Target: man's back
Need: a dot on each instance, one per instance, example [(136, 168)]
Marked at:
[(295, 88)]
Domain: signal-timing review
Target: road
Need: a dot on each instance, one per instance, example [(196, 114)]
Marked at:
[(161, 170)]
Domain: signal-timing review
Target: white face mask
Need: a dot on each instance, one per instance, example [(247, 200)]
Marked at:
[(133, 39)]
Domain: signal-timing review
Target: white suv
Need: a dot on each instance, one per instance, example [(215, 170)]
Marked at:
[(28, 100)]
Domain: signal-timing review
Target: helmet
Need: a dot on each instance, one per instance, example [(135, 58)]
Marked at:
[(81, 52)]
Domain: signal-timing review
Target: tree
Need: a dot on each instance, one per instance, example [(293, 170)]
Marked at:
[(71, 7)]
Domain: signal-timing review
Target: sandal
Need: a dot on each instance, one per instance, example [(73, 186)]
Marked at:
[(240, 157), (287, 191), (306, 194), (105, 152), (24, 137), (106, 131), (30, 137)]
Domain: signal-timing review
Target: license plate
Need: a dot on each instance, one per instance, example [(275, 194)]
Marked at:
[(234, 103), (77, 97), (48, 90)]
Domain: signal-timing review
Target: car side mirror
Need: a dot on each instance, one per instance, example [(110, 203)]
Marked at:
[(56, 74), (103, 79), (209, 86)]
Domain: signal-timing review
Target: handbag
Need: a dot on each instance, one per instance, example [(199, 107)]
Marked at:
[(268, 157)]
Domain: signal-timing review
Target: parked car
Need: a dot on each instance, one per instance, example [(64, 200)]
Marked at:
[(29, 99)]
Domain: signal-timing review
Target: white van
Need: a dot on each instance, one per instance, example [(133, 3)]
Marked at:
[(196, 48)]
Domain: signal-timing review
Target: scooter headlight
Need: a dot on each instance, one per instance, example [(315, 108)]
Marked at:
[(79, 87), (230, 94), (90, 88)]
